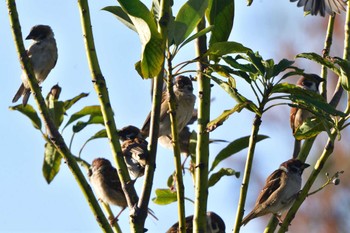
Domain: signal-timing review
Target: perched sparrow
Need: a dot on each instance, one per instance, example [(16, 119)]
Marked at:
[(105, 181), (322, 6), (43, 56), (309, 82), (281, 189), (134, 148), (214, 224), (185, 100)]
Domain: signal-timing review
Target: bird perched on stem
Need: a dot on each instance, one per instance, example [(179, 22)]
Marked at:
[(135, 151), (280, 190), (309, 82), (184, 99), (322, 6), (215, 224), (105, 181), (42, 54)]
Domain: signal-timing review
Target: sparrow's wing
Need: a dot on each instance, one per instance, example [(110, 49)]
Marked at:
[(189, 226), (114, 181), (273, 183)]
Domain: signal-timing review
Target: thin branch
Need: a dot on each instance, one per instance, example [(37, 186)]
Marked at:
[(54, 135)]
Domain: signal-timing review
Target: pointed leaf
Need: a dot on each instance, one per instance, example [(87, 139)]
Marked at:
[(281, 66), (257, 61), (80, 125), (52, 162), (152, 44), (164, 197), (214, 178), (242, 67), (233, 148), (212, 125), (319, 59), (120, 14), (69, 103), (100, 134), (188, 18), (196, 35), (223, 48), (221, 14), (309, 129), (30, 112), (345, 73), (94, 110)]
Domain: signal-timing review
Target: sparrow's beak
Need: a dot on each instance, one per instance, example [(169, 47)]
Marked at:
[(305, 165)]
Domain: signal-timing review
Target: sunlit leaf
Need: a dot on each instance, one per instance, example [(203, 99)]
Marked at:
[(196, 35), (52, 162), (212, 125), (233, 148), (223, 48), (100, 134), (120, 14), (94, 110), (164, 197), (69, 103), (215, 177), (188, 18), (30, 112), (309, 129), (152, 44)]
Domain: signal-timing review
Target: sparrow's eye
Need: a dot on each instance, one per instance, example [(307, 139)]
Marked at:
[(293, 169), (308, 84)]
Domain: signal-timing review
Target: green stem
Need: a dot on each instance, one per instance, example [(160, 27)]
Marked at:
[(247, 172), (54, 135), (107, 112), (202, 150)]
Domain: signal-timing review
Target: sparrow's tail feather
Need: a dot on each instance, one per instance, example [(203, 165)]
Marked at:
[(150, 212), (249, 217), (25, 97), (18, 94), (297, 146)]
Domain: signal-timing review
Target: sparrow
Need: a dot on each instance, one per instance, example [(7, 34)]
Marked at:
[(105, 181), (280, 190), (184, 99), (134, 149), (297, 116), (322, 6), (42, 54), (215, 224)]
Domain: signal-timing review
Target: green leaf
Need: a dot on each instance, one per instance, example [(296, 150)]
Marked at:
[(170, 181), (221, 14), (232, 91), (212, 125), (309, 129), (233, 148), (196, 35), (80, 125), (345, 73), (69, 103), (282, 66), (94, 110), (188, 18), (164, 197), (100, 134), (30, 112), (120, 14), (257, 61), (152, 55), (214, 178), (223, 48), (242, 67), (52, 162), (319, 59), (57, 113)]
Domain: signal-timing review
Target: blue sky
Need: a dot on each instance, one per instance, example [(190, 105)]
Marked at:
[(28, 204)]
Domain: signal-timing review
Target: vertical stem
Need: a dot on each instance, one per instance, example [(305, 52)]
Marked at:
[(202, 150), (54, 135), (247, 172)]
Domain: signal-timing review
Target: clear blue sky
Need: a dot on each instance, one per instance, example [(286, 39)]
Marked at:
[(28, 204)]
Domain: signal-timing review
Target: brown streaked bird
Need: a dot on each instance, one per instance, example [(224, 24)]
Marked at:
[(184, 99), (42, 54), (135, 151), (280, 190), (322, 6), (309, 82), (105, 181), (215, 224)]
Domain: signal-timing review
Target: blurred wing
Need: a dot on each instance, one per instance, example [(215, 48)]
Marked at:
[(273, 183)]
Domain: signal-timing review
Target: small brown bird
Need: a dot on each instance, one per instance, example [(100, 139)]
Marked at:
[(215, 224), (322, 6), (105, 181), (185, 100), (280, 190), (43, 56), (135, 151), (309, 82)]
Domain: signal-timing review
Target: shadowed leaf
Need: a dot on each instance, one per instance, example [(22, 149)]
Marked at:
[(52, 162), (94, 110), (215, 177), (30, 112), (120, 14)]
